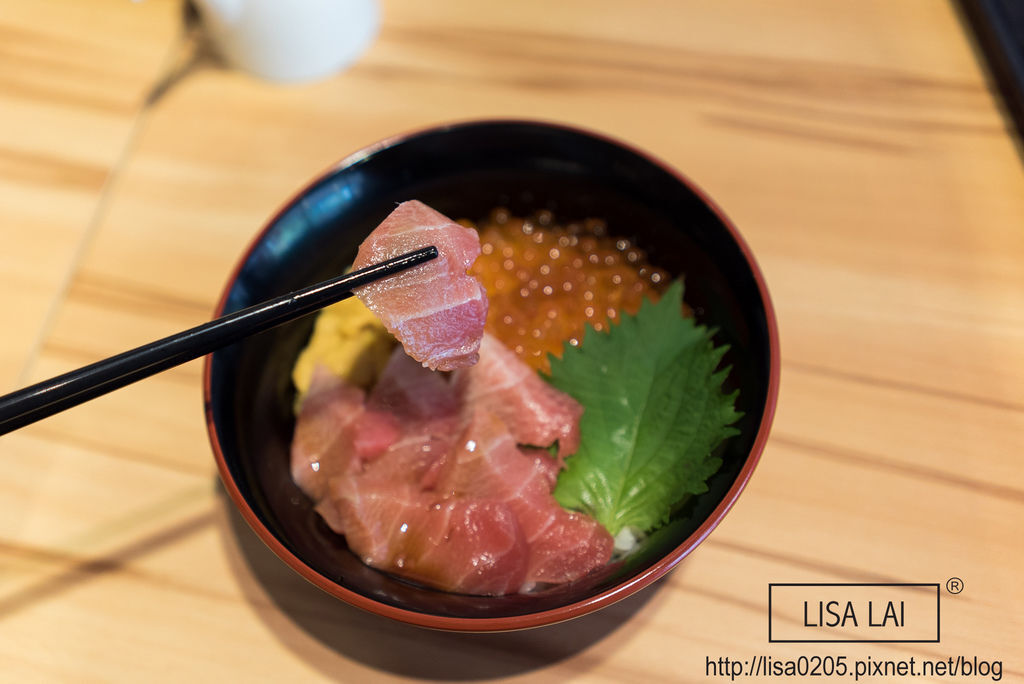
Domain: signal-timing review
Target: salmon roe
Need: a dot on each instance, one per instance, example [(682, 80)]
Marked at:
[(545, 282)]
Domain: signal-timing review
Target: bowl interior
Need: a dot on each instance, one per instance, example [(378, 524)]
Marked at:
[(465, 171)]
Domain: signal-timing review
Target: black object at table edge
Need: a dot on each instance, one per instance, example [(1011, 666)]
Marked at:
[(998, 28)]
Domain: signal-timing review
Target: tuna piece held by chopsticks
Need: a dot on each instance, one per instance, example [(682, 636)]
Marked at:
[(436, 310)]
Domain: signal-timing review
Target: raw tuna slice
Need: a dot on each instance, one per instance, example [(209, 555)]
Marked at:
[(426, 478), (570, 547), (411, 392), (563, 545), (424, 404), (548, 465), (436, 310), (462, 545), (536, 413), (335, 434)]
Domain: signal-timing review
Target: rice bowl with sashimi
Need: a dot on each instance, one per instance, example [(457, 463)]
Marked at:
[(456, 482), (611, 204)]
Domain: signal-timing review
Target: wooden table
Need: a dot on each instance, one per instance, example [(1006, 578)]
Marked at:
[(855, 143)]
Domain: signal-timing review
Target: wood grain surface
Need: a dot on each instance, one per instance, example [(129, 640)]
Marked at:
[(855, 143)]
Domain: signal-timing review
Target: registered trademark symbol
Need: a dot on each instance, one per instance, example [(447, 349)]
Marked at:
[(954, 585)]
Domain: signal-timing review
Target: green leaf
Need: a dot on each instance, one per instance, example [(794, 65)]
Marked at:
[(654, 412)]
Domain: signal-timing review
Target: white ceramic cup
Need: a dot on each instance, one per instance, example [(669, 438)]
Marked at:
[(290, 40)]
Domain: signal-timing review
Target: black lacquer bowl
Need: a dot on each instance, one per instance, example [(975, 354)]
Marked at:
[(464, 171)]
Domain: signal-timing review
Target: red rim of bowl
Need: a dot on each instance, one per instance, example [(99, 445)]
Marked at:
[(556, 615)]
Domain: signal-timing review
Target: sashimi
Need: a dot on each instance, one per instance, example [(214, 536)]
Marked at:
[(466, 545), (334, 433), (563, 546), (436, 310), (425, 405), (444, 480), (536, 413), (435, 489), (411, 392)]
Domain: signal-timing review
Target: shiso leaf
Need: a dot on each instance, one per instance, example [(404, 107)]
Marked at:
[(654, 413)]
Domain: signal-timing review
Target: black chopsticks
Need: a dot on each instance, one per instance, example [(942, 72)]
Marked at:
[(43, 399)]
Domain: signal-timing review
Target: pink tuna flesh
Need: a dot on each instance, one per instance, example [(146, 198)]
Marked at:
[(334, 433), (428, 478), (467, 545), (536, 413), (563, 545), (411, 392), (436, 310)]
